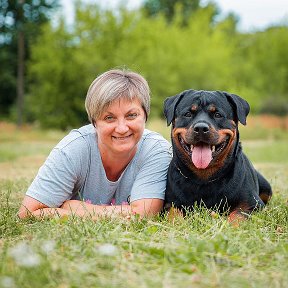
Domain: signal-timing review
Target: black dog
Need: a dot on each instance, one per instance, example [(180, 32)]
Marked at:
[(208, 165)]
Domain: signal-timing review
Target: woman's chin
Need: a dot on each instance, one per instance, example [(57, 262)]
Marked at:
[(124, 149)]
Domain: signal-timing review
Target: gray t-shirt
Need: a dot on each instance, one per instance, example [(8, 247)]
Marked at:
[(74, 170)]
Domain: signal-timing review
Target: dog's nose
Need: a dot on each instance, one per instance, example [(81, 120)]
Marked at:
[(201, 128)]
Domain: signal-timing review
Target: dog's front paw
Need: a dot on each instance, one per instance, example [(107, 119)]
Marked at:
[(236, 217)]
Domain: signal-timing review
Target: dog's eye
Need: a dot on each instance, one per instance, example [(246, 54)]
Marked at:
[(188, 114), (217, 115)]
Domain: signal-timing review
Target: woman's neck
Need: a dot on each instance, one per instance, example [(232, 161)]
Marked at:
[(115, 164)]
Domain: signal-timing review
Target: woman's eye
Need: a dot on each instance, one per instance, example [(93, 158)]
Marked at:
[(217, 115), (188, 114), (109, 118), (132, 116)]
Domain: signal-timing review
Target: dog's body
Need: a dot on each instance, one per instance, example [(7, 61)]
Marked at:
[(208, 165)]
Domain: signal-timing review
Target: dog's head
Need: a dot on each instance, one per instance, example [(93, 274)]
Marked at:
[(205, 126)]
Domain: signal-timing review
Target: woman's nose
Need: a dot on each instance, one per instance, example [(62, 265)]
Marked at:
[(121, 127)]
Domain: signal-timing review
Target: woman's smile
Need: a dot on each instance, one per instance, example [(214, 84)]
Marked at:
[(122, 138)]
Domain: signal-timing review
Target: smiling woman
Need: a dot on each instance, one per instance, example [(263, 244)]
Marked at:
[(99, 168)]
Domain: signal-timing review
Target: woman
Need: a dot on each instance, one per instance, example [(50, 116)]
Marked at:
[(96, 169)]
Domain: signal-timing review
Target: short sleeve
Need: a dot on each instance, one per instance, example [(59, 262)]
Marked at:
[(150, 181), (55, 180)]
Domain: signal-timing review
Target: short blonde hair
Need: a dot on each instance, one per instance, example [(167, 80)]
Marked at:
[(112, 85)]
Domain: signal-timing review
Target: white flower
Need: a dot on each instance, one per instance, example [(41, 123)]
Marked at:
[(107, 249), (48, 246), (24, 255), (7, 282), (83, 268)]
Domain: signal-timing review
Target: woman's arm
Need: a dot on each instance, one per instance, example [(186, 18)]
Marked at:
[(147, 207), (143, 207)]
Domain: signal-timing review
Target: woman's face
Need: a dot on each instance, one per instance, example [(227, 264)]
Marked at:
[(120, 127)]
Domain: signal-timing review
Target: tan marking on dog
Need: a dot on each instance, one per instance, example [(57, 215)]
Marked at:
[(233, 123), (212, 108), (265, 198), (194, 107), (238, 215), (182, 132), (223, 155), (175, 133), (217, 162), (235, 218), (217, 137)]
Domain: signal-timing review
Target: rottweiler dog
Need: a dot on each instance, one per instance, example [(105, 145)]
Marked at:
[(208, 166)]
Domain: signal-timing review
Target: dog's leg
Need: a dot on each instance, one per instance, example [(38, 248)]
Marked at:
[(237, 216), (265, 191)]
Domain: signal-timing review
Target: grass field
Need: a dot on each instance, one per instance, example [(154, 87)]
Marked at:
[(198, 251)]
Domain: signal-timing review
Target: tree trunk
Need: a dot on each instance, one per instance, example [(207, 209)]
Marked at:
[(20, 73)]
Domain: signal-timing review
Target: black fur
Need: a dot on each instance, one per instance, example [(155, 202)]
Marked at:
[(230, 182)]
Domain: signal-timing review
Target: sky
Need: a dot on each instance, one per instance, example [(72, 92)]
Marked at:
[(256, 14), (253, 14)]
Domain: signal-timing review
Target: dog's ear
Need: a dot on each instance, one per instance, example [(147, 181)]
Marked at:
[(170, 105), (241, 106)]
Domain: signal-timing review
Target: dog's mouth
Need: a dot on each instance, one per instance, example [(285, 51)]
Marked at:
[(202, 153)]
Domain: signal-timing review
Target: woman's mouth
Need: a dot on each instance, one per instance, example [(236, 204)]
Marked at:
[(122, 138)]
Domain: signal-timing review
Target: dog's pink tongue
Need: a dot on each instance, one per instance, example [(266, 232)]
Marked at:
[(201, 156)]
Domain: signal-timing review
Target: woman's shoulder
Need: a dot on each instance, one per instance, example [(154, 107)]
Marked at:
[(76, 147), (151, 138), (77, 137), (153, 146), (153, 143)]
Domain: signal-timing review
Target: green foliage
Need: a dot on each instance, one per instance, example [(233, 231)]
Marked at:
[(53, 103), (265, 69), (168, 8), (202, 54), (101, 40)]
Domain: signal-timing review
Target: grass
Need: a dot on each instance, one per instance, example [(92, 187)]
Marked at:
[(198, 251)]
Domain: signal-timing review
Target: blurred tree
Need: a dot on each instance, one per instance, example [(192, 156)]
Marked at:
[(56, 78), (262, 72), (168, 8), (19, 26), (65, 61), (203, 54), (7, 77)]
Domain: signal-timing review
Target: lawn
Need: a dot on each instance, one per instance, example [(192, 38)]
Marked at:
[(197, 251)]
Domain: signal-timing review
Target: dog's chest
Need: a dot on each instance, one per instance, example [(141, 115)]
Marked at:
[(183, 191)]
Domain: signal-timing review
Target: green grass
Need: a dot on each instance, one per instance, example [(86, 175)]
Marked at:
[(198, 251), (10, 151), (267, 151)]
